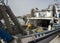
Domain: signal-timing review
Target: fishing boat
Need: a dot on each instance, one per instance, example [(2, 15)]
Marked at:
[(43, 21)]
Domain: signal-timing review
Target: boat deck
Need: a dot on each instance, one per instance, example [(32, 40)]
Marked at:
[(56, 40)]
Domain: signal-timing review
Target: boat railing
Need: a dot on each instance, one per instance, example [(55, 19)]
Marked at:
[(48, 37), (41, 33)]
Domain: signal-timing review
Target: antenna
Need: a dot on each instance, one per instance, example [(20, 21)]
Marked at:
[(6, 2), (2, 1), (56, 1)]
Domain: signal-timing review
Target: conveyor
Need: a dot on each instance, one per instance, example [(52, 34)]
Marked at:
[(5, 14)]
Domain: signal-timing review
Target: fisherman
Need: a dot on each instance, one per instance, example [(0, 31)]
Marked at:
[(36, 12), (29, 28), (32, 12)]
